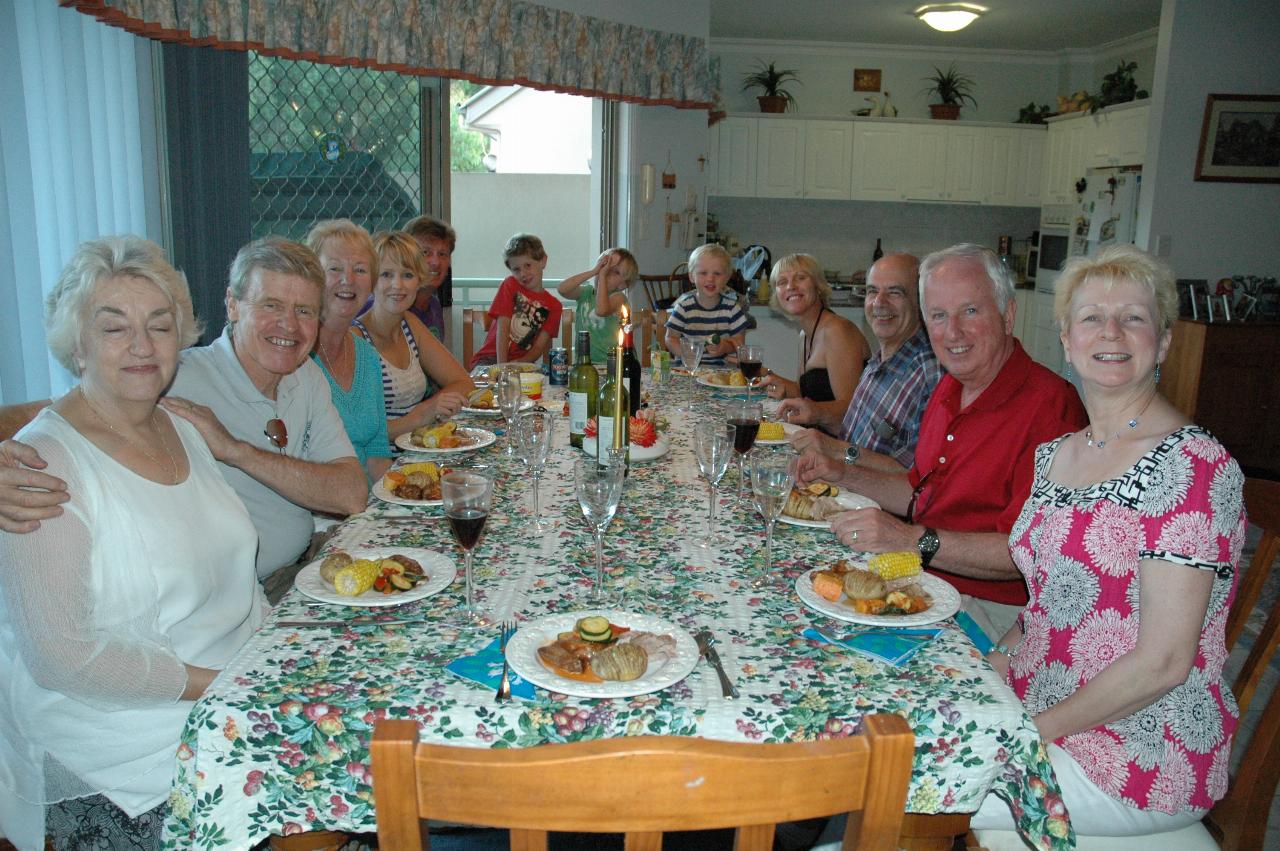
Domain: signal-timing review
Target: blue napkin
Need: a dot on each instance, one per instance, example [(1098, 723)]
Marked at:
[(975, 633), (485, 667), (892, 646)]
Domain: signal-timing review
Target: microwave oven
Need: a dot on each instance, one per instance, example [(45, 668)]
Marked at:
[(1047, 257)]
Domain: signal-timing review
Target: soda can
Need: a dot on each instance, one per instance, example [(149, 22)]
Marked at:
[(559, 365), (662, 363)]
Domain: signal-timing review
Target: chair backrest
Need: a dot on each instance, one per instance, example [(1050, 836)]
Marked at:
[(1262, 502), (472, 316), (566, 329), (642, 786), (663, 290)]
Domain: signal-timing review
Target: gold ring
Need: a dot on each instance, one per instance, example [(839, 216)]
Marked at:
[(853, 536)]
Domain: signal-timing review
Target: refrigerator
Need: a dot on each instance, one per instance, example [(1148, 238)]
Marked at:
[(1107, 212)]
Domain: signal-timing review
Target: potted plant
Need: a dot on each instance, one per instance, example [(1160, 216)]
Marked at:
[(770, 80), (1117, 87), (952, 89)]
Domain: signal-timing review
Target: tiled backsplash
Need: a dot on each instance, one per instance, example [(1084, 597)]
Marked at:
[(842, 234)]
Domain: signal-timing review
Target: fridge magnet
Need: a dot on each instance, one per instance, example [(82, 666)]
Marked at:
[(866, 79), (1240, 139)]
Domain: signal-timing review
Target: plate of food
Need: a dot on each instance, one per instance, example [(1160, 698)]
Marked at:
[(814, 506), (775, 433), (490, 372), (647, 443), (855, 590), (482, 403), (608, 653), (414, 485), (723, 379), (377, 576), (445, 439)]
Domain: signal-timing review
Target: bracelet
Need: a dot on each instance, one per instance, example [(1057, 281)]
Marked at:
[(1001, 648)]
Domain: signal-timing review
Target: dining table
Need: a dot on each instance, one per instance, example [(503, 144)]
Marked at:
[(279, 743)]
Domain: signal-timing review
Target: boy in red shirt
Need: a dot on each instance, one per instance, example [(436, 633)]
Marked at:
[(528, 317)]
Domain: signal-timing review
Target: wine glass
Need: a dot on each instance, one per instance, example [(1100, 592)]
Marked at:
[(713, 447), (751, 362), (691, 349), (510, 395), (773, 475), (533, 435), (467, 498), (599, 490), (744, 422)]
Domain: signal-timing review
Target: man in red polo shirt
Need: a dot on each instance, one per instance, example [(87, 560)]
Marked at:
[(974, 457)]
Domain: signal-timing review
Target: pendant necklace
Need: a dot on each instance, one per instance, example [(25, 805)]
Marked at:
[(173, 467), (342, 348), (1132, 424)]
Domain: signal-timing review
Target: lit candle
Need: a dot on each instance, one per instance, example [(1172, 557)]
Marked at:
[(619, 392)]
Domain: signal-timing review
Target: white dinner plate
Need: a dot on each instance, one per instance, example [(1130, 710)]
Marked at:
[(481, 437), (945, 602), (380, 491), (788, 429), (741, 388), (522, 653), (481, 372), (439, 568), (639, 454), (846, 499), (525, 404)]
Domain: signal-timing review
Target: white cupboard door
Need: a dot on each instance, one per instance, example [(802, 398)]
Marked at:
[(1129, 130), (964, 171), (879, 158), (926, 172), (1030, 168), (780, 159), (735, 168), (828, 159), (1000, 162), (1055, 169)]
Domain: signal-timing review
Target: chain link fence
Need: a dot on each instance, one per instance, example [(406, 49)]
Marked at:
[(331, 142)]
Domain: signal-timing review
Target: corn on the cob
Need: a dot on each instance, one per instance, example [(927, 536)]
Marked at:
[(356, 578), (771, 431), (894, 565)]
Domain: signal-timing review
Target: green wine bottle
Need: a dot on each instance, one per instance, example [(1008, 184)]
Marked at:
[(584, 384)]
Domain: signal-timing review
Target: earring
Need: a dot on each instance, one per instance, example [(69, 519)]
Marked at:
[(1157, 373), (1066, 373)]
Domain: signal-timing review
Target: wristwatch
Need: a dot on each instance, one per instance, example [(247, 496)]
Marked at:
[(851, 454), (928, 546)]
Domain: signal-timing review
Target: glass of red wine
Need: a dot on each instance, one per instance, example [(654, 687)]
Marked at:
[(467, 497), (751, 362), (744, 425)]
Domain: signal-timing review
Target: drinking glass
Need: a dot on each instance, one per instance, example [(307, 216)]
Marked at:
[(691, 349), (510, 395), (713, 447), (533, 436), (773, 475), (751, 362), (599, 489), (467, 498), (744, 423)]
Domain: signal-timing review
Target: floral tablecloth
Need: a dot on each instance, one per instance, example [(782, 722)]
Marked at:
[(279, 743)]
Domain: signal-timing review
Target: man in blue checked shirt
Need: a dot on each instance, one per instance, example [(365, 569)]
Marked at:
[(880, 425)]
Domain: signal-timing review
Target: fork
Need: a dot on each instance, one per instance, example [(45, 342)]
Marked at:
[(504, 686), (854, 632)]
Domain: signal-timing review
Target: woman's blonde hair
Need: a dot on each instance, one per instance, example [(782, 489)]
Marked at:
[(347, 231), (806, 263), (402, 248), (630, 268), (101, 260), (1117, 263)]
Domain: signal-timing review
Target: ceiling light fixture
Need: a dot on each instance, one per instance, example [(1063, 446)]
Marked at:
[(949, 17)]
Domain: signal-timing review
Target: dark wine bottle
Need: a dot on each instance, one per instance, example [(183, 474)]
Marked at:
[(878, 253), (631, 370), (584, 384)]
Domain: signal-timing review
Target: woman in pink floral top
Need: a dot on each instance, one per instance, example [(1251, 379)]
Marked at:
[(1129, 543)]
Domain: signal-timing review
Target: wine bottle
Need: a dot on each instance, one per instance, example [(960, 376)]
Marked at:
[(605, 425), (631, 371), (584, 384), (878, 253)]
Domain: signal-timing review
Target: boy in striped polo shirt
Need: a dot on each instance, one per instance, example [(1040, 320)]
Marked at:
[(709, 310)]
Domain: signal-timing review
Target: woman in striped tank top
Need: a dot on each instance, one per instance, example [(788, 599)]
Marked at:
[(421, 381)]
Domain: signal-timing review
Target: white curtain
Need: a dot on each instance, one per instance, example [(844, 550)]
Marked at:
[(78, 160)]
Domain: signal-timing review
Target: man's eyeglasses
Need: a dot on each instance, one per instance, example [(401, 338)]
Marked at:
[(915, 494), (277, 434)]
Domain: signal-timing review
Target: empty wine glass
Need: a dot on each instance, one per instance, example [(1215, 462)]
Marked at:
[(467, 498), (773, 475), (533, 436), (599, 490), (751, 363), (713, 447), (744, 421), (691, 349), (510, 395)]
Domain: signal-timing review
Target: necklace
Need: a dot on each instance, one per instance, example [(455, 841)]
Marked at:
[(173, 467), (342, 349), (1132, 424)]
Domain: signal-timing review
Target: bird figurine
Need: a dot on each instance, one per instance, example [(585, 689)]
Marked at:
[(876, 110), (888, 110)]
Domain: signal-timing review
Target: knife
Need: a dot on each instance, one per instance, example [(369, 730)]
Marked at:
[(353, 623), (703, 637)]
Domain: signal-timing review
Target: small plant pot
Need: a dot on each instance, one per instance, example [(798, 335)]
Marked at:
[(772, 103), (944, 111)]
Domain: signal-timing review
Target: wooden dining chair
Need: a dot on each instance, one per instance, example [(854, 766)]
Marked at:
[(643, 786), (566, 330), (1239, 821), (471, 317), (663, 290)]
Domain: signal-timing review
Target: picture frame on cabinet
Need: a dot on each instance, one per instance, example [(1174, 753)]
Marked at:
[(1239, 139), (866, 79)]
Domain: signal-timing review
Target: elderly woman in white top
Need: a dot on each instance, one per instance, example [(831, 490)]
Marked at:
[(128, 603)]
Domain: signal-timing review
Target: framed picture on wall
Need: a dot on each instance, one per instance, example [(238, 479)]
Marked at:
[(1240, 139), (866, 79)]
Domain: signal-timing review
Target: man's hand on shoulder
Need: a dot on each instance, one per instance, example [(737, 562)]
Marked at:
[(222, 444), (27, 496)]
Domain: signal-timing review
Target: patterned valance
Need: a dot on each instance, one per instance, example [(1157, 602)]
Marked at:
[(497, 42)]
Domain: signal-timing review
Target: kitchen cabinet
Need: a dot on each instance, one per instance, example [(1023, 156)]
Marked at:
[(828, 159), (734, 143), (946, 164), (1115, 136), (1222, 376), (1068, 141), (780, 159), (1047, 345), (1118, 137), (879, 161), (1029, 169), (1000, 155)]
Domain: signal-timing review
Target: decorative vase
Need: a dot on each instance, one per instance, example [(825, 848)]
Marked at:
[(772, 103), (944, 111)]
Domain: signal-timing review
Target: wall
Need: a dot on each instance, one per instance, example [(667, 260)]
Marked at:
[(842, 234), (1140, 48), (1208, 230)]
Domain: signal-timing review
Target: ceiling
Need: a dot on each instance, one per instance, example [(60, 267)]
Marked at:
[(1009, 24)]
